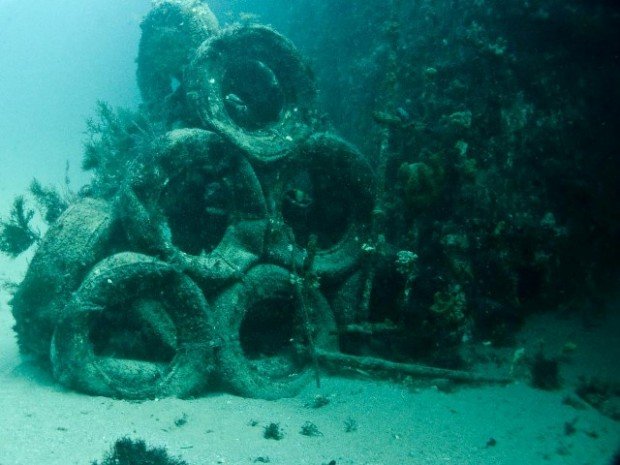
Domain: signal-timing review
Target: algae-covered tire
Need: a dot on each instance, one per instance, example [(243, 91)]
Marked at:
[(325, 189), (135, 329), (196, 202), (84, 234), (171, 33), (264, 349), (250, 84)]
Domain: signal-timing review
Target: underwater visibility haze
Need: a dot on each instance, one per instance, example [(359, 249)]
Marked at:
[(312, 232)]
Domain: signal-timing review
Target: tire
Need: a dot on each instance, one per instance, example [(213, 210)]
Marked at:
[(266, 116), (196, 203), (171, 33), (326, 189), (135, 329), (85, 233), (259, 319), (346, 299)]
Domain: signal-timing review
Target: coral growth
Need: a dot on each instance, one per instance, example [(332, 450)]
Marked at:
[(498, 173)]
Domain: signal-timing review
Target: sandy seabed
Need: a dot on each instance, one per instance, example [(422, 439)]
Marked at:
[(42, 423)]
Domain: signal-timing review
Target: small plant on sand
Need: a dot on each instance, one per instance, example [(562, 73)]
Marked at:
[(127, 451), (318, 401), (273, 431), (181, 421), (350, 425), (310, 429), (545, 372)]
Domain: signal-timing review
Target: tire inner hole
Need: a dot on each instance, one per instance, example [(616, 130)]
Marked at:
[(270, 334), (136, 330), (313, 203), (252, 94), (197, 205)]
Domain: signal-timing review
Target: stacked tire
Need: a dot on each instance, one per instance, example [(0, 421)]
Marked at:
[(197, 275)]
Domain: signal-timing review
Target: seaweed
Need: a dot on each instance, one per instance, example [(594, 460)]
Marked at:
[(127, 451), (50, 200), (16, 232), (115, 139)]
